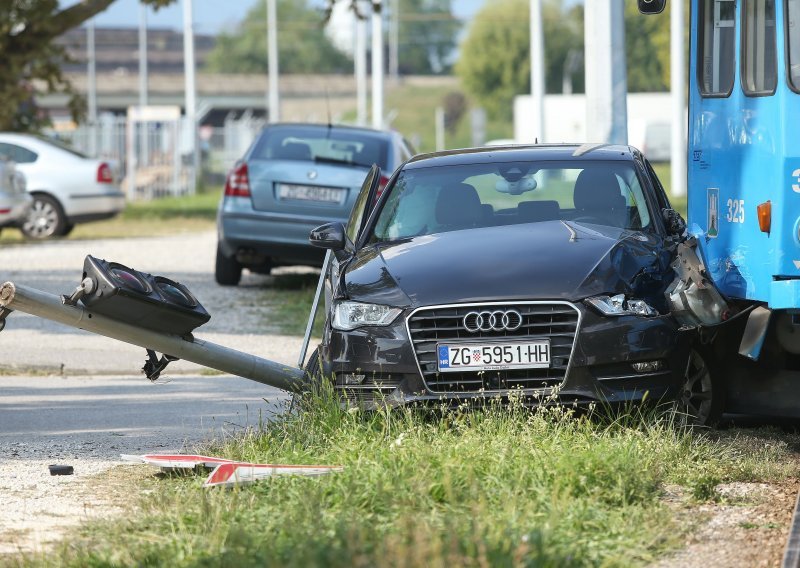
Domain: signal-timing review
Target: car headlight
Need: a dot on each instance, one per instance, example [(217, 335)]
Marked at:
[(350, 315), (620, 306)]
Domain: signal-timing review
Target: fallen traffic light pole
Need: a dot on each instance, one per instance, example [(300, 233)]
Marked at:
[(14, 297)]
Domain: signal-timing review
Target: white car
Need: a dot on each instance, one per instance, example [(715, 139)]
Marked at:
[(15, 202), (67, 187)]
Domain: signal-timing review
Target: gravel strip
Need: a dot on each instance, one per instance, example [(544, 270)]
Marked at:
[(238, 320)]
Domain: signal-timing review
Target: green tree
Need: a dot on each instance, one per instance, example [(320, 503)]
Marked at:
[(495, 57), (31, 59), (303, 47), (644, 58), (494, 64), (427, 36), (661, 38)]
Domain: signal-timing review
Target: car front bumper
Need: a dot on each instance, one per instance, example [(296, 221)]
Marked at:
[(378, 365)]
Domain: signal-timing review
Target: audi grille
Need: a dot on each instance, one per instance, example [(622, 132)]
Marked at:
[(557, 322)]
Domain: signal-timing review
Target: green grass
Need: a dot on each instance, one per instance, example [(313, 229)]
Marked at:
[(198, 206), (495, 487), (289, 298), (664, 174), (159, 217)]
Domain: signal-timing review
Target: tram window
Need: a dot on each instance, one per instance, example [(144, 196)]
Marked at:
[(759, 58), (793, 39), (717, 44)]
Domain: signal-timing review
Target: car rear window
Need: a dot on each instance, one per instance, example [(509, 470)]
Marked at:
[(322, 144), (433, 200), (62, 146)]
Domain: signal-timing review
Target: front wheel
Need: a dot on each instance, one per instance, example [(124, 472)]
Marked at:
[(702, 398), (227, 271), (46, 219), (313, 371)]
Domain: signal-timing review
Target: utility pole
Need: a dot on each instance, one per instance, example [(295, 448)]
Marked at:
[(439, 123), (537, 69), (678, 87), (360, 60), (191, 89), (606, 82), (377, 64), (274, 103), (394, 42), (143, 55), (91, 87), (143, 126)]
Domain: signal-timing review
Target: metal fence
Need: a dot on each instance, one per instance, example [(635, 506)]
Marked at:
[(155, 156)]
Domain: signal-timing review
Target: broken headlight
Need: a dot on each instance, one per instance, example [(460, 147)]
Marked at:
[(620, 306), (350, 315)]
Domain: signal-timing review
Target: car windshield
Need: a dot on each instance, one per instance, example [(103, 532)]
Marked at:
[(323, 145), (432, 200)]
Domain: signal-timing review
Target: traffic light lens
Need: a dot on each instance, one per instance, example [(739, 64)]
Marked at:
[(176, 295), (129, 280)]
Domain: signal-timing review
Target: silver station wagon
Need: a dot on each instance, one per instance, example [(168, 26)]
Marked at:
[(294, 178)]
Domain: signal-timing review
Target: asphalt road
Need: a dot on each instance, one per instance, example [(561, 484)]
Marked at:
[(66, 393), (66, 418)]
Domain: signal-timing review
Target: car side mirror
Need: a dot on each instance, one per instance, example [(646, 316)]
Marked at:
[(652, 6), (673, 222), (329, 236)]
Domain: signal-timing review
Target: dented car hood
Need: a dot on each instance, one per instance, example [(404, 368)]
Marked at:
[(532, 261)]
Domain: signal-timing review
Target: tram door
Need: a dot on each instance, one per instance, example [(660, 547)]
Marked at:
[(744, 146)]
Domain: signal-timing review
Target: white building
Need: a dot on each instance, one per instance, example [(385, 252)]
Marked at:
[(649, 121)]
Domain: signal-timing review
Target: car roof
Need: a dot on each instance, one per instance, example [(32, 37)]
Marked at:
[(38, 143), (525, 153), (321, 126)]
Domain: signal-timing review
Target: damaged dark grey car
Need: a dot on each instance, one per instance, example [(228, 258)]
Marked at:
[(544, 270)]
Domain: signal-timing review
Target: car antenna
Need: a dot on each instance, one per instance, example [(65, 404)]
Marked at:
[(328, 107)]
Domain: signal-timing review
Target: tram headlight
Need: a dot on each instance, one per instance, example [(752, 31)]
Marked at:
[(138, 298)]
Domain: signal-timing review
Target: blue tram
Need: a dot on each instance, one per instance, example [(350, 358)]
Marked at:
[(744, 146), (744, 193)]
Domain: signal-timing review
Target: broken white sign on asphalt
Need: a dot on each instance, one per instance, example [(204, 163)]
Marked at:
[(229, 472)]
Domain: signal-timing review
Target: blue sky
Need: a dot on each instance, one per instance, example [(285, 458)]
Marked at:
[(211, 16)]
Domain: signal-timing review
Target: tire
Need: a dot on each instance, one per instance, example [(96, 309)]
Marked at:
[(702, 398), (227, 271), (45, 220), (314, 372), (67, 230), (312, 366)]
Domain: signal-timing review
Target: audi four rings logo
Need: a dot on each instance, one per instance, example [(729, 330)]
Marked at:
[(510, 320)]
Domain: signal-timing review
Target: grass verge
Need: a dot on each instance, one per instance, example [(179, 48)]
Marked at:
[(499, 486), (290, 298), (159, 217)]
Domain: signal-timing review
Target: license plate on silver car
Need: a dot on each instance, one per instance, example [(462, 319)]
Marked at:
[(310, 193), (493, 356)]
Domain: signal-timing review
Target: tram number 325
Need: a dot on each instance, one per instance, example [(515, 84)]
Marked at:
[(735, 211)]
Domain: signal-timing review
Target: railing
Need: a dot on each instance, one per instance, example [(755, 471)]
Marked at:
[(156, 156)]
